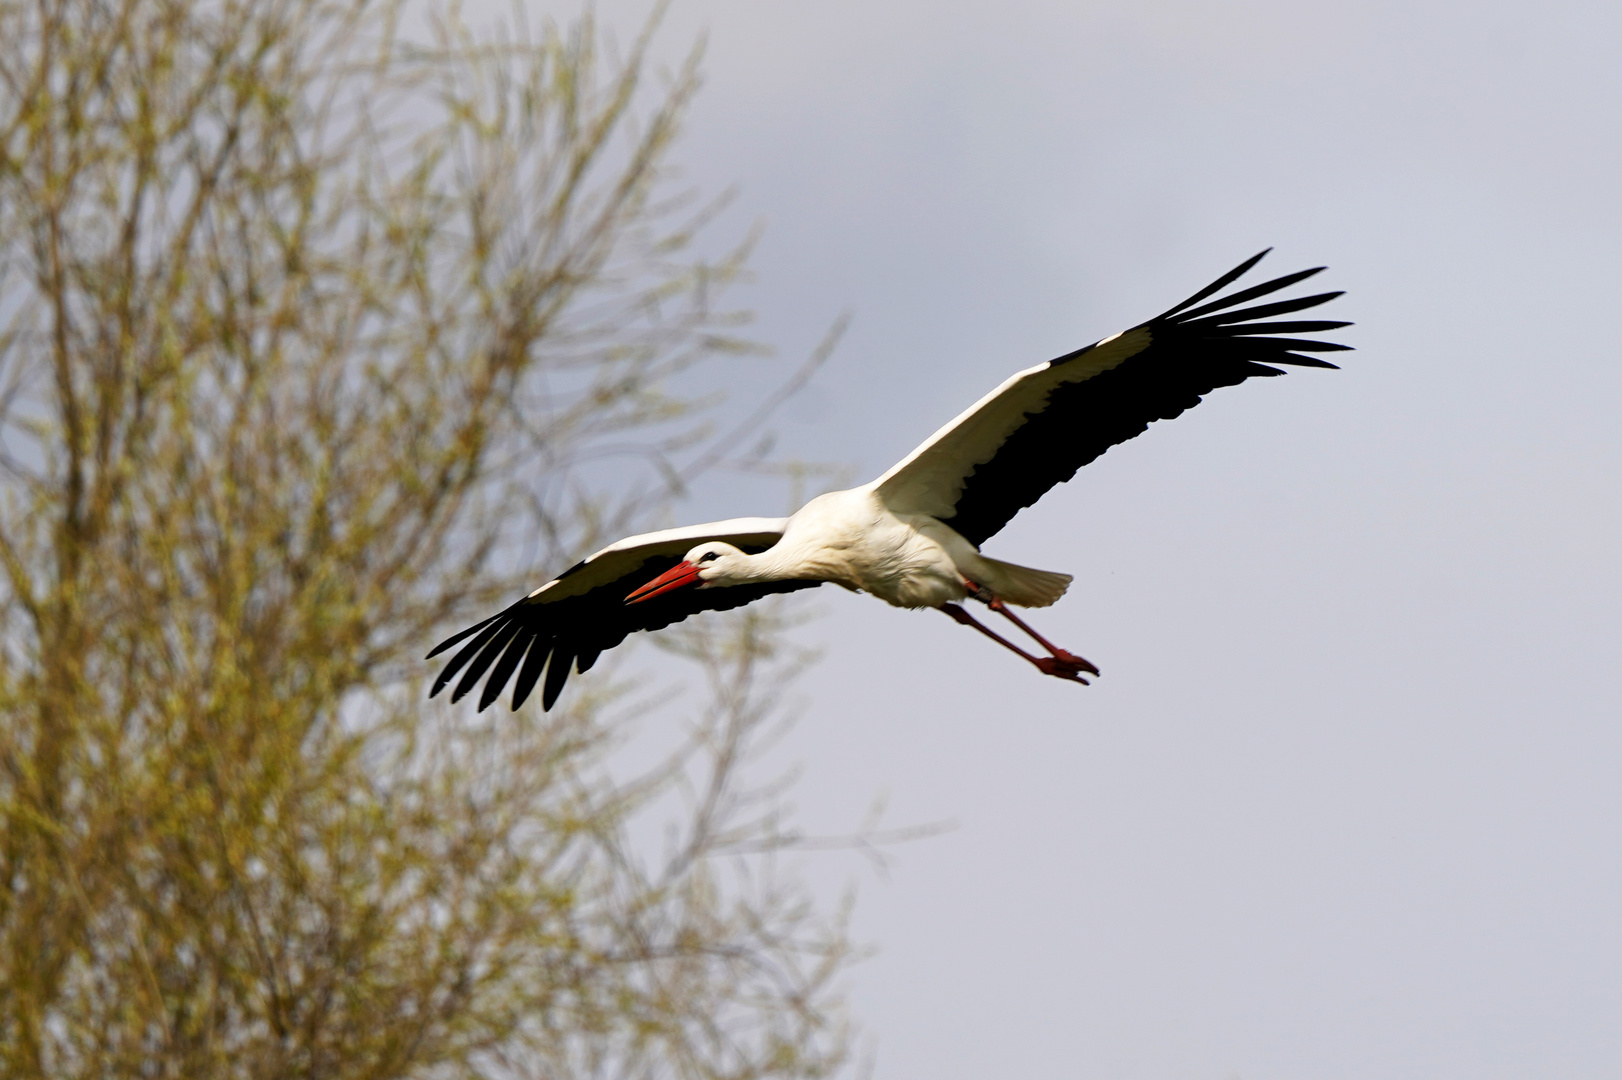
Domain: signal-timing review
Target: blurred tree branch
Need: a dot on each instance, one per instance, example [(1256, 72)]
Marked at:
[(305, 331)]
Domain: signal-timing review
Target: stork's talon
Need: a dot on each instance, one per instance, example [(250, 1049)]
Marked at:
[(1066, 665), (1081, 663)]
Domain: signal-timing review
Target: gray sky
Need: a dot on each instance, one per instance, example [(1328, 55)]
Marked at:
[(1345, 801)]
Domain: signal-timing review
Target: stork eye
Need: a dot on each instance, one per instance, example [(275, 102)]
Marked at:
[(709, 556)]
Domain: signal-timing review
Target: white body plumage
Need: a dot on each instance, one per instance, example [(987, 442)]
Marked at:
[(852, 538)]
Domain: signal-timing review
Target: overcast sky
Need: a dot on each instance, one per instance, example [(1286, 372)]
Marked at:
[(1345, 802)]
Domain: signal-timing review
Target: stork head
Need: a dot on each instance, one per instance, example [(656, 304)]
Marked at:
[(711, 564)]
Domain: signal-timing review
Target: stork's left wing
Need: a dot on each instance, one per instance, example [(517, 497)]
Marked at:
[(575, 617), (1039, 427)]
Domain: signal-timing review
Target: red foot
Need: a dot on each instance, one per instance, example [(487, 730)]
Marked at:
[(1065, 665)]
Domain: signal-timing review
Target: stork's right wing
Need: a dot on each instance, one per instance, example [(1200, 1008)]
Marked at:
[(582, 612), (1036, 429)]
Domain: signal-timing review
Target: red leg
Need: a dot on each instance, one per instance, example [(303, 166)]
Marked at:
[(1062, 660), (1061, 665)]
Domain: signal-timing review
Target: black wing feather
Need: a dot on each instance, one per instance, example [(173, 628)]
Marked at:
[(1218, 285), (1300, 326), (487, 656), (1245, 295), (460, 634), (576, 630), (1305, 345), (1297, 360), (492, 626), (1192, 352), (557, 673), (531, 671), (505, 666), (1262, 311)]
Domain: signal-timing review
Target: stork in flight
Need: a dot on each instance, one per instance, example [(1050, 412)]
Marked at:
[(912, 537)]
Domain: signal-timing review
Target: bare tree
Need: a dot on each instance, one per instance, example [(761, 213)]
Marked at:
[(307, 332)]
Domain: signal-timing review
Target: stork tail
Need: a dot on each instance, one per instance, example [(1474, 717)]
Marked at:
[(1024, 586)]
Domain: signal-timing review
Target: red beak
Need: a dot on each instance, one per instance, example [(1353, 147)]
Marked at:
[(683, 573)]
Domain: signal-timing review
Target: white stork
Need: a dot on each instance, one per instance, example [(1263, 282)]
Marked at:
[(912, 537)]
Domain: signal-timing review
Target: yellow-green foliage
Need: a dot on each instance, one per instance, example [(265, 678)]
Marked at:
[(305, 330)]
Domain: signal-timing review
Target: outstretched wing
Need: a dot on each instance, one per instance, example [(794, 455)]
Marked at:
[(582, 612), (1039, 427)]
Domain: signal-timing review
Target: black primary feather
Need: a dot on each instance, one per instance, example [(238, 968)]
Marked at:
[(459, 635), (1246, 295), (531, 671), (505, 666), (492, 626), (1218, 285), (1193, 351), (492, 649)]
